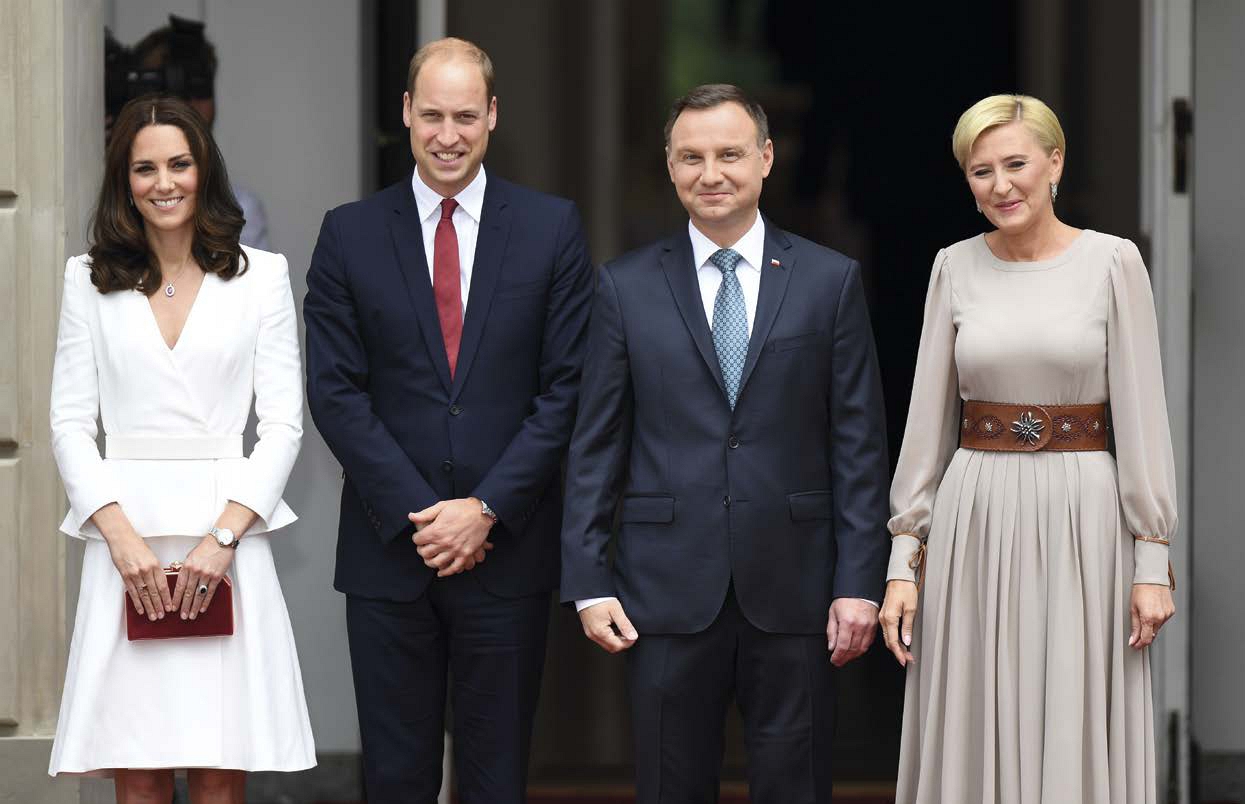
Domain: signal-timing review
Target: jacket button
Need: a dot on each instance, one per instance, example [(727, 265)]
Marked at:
[(732, 442), (447, 466), (726, 501), (455, 410)]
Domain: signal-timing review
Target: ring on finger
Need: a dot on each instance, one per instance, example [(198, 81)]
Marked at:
[(203, 589)]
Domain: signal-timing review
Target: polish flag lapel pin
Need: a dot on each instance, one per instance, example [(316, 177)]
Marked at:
[(775, 263)]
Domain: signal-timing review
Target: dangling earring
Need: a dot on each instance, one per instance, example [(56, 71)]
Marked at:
[(978, 205), (1054, 191), (131, 199)]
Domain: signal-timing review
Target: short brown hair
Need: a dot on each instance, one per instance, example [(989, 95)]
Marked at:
[(707, 96), (121, 259), (447, 48)]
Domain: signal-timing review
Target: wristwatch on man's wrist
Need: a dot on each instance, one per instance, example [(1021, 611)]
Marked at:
[(488, 512), (224, 537)]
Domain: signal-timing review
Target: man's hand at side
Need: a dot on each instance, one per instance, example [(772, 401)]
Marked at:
[(850, 629), (607, 625), (452, 535)]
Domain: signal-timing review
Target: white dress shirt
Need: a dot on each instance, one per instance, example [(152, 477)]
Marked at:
[(466, 220), (255, 230), (751, 247)]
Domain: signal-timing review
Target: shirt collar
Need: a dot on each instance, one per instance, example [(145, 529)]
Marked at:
[(428, 201), (751, 246)]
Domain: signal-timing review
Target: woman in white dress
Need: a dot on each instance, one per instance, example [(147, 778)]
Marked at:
[(1040, 543), (169, 328)]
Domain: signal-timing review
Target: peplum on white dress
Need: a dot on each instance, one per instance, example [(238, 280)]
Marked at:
[(1025, 690), (216, 702)]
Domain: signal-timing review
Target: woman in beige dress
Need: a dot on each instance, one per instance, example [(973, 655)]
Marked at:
[(1037, 558)]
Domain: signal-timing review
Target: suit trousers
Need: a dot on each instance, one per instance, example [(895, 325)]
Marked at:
[(487, 651), (681, 686)]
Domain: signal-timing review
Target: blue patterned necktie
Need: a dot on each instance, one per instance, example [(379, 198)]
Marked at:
[(730, 322)]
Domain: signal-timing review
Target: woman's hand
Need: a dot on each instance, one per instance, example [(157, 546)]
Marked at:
[(897, 616), (1152, 606), (200, 575), (140, 572)]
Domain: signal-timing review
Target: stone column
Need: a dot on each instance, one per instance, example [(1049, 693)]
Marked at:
[(51, 145)]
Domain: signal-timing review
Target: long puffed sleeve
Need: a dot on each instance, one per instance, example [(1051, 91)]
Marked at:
[(278, 402), (932, 432), (75, 404), (1143, 448)]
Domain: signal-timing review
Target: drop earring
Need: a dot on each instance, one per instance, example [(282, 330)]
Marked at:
[(1054, 191), (978, 205)]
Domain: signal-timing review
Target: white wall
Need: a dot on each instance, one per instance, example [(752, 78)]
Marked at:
[(289, 123), (1219, 383)]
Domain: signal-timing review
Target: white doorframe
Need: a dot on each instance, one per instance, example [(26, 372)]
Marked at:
[(1166, 217)]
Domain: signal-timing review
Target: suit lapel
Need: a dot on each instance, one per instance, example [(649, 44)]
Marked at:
[(408, 241), (774, 279), (485, 271), (677, 261)]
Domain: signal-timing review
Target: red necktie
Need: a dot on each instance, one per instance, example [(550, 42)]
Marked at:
[(447, 282)]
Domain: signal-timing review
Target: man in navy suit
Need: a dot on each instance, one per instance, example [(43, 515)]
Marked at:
[(445, 316), (731, 407)]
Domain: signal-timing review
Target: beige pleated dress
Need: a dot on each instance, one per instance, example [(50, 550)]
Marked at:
[(1025, 690)]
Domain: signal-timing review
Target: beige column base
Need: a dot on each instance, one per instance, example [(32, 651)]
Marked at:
[(24, 768)]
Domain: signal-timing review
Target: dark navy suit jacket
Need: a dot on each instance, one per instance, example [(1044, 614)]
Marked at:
[(785, 495), (406, 435)]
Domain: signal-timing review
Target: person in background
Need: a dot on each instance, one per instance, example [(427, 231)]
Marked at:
[(445, 318), (178, 59), (1028, 573), (731, 411), (169, 329)]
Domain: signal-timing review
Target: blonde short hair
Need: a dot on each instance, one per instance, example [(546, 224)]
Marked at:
[(448, 48), (998, 110)]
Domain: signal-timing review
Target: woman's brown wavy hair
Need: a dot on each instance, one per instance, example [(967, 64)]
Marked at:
[(120, 256)]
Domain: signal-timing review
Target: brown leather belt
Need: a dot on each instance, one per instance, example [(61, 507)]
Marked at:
[(1030, 428)]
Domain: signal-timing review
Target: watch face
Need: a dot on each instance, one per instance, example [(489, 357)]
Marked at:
[(224, 536)]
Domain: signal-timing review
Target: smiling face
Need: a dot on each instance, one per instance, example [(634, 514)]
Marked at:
[(1010, 175), (718, 167), (450, 116), (164, 177)]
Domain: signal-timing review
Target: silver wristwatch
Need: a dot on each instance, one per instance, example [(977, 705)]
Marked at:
[(224, 537), (488, 512)]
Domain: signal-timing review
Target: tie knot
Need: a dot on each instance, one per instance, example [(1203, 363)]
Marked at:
[(725, 259), (448, 205)]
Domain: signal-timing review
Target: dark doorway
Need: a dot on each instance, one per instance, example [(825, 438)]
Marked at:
[(862, 99)]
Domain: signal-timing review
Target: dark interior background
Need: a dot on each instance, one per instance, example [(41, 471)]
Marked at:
[(862, 99)]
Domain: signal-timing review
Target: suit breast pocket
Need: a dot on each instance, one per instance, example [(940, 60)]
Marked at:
[(521, 290), (795, 342)]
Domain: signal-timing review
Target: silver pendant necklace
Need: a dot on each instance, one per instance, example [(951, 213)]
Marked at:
[(169, 290)]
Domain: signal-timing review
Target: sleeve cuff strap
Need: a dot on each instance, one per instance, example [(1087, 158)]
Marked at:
[(903, 547), (1150, 559)]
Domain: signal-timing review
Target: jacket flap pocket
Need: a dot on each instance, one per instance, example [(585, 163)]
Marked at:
[(811, 505), (648, 509)]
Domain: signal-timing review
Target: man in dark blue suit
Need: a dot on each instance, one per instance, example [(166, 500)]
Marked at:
[(445, 317), (731, 408)]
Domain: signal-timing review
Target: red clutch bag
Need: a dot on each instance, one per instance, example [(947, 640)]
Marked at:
[(216, 621)]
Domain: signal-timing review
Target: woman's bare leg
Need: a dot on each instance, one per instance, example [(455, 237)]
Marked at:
[(143, 786), (213, 786)]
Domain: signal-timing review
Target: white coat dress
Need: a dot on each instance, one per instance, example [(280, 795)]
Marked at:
[(173, 421)]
